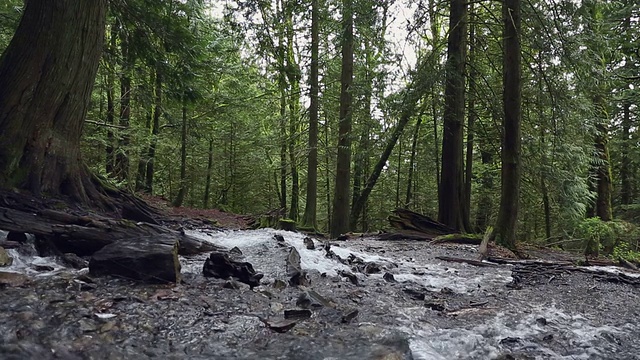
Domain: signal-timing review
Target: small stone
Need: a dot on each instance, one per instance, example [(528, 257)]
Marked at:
[(235, 251), (436, 305), (279, 284), (541, 321), (311, 299), (349, 315), (297, 314), (5, 259), (280, 326), (389, 277), (372, 268), (43, 268), (74, 261), (279, 238), (510, 340), (352, 277), (308, 242), (231, 284)]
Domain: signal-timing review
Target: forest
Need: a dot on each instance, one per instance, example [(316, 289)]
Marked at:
[(518, 115)]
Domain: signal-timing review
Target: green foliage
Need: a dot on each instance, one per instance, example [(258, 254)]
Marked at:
[(624, 251)]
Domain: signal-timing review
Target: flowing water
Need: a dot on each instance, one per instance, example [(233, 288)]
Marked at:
[(572, 316)]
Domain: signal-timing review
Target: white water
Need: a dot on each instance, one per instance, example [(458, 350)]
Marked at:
[(429, 342), (26, 260)]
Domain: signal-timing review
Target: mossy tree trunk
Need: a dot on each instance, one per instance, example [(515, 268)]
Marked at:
[(46, 76), (505, 230)]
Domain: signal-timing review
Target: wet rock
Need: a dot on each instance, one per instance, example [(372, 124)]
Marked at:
[(12, 279), (311, 299), (280, 239), (510, 341), (541, 321), (235, 251), (231, 284), (280, 326), (294, 270), (279, 284), (308, 242), (220, 266), (415, 293), (74, 261), (352, 277), (372, 268), (389, 277), (297, 314), (349, 315), (5, 259), (436, 304), (148, 259), (43, 268)]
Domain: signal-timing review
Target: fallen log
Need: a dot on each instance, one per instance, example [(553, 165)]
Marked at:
[(478, 263), (404, 219), (84, 235)]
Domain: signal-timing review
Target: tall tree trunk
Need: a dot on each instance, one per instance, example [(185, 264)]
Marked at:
[(450, 191), (110, 159), (471, 120), (122, 156), (155, 130), (626, 187), (142, 161), (505, 230), (603, 174), (340, 215), (182, 192), (412, 162), (207, 184), (293, 75), (46, 77), (311, 202), (485, 200)]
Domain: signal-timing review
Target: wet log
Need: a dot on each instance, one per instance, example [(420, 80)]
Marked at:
[(463, 239), (411, 225), (85, 234), (478, 263), (147, 259)]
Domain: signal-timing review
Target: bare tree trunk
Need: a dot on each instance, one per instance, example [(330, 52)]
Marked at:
[(505, 229), (111, 110), (207, 185), (471, 120), (46, 76), (626, 187), (122, 156), (412, 161), (311, 203), (450, 190), (340, 215), (155, 130), (182, 192)]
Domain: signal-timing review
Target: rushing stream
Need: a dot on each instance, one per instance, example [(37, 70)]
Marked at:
[(445, 310)]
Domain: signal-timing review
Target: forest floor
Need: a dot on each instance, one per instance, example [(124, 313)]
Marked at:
[(366, 299)]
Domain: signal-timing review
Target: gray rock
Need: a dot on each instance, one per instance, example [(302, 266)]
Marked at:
[(153, 260)]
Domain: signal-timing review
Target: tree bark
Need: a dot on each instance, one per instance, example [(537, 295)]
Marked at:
[(471, 120), (412, 161), (450, 190), (182, 192), (46, 77), (505, 229), (155, 130), (311, 202), (340, 215), (122, 156), (626, 187), (207, 185)]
